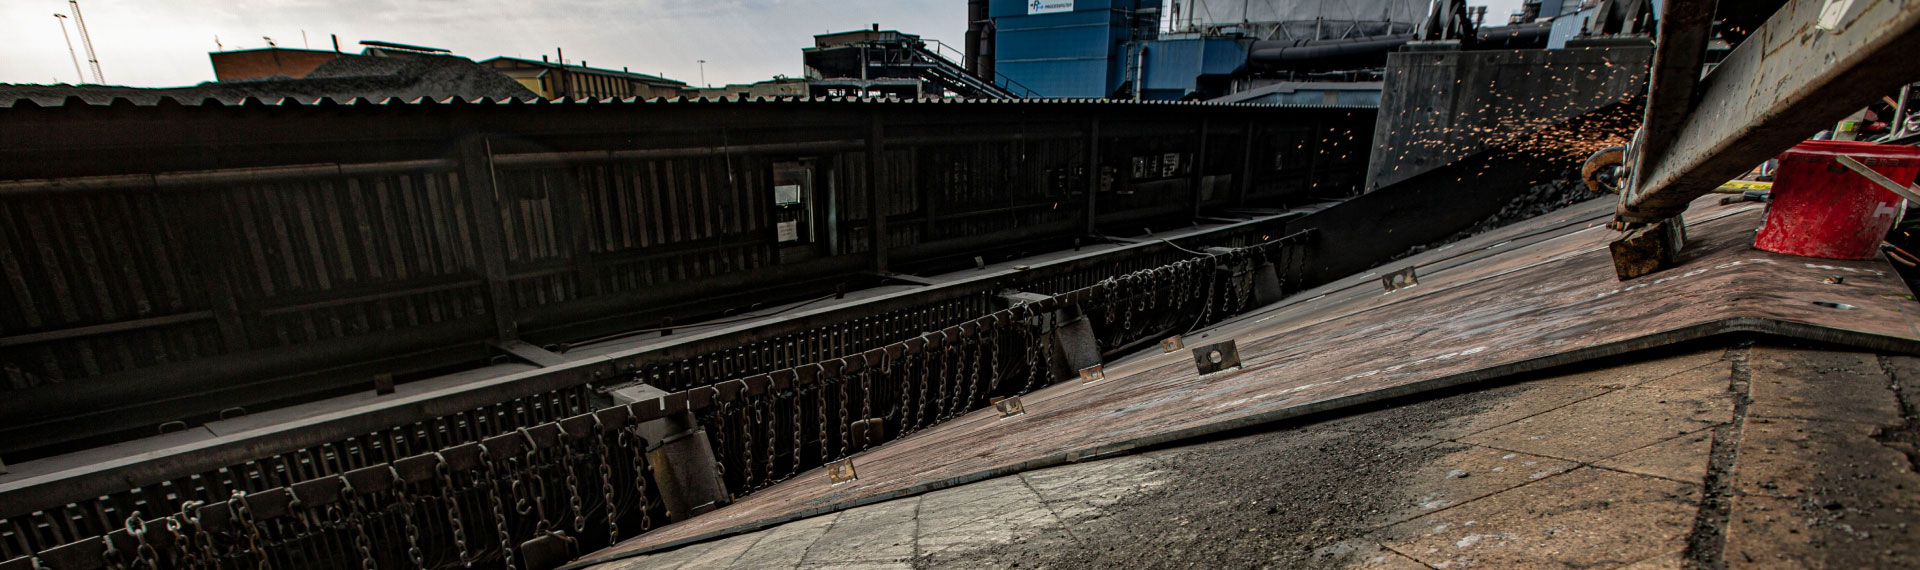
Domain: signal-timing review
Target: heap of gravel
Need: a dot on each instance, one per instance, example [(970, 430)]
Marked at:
[(374, 78), (1566, 190)]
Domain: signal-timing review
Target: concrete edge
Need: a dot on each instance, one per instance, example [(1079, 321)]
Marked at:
[(1703, 331)]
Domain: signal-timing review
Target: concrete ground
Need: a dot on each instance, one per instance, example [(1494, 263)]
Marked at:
[(1725, 456)]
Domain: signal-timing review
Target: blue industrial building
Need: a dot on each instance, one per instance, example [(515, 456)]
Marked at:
[(1070, 48)]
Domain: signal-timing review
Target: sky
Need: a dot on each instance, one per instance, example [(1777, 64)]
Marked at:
[(164, 43)]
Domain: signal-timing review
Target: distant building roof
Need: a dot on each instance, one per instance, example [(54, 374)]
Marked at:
[(402, 47), (589, 70)]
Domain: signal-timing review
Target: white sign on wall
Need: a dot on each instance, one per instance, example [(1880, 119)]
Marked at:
[(1049, 6)]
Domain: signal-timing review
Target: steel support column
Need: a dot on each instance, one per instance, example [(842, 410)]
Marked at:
[(1093, 177), (876, 199), (483, 197)]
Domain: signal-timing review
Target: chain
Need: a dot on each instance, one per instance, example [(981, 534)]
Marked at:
[(358, 522), (903, 397), (603, 451), (536, 485), (639, 477), (993, 347), (845, 424), (945, 398), (720, 439), (111, 556), (491, 475), (242, 512), (866, 404), (445, 474), (770, 402), (746, 440), (405, 500), (1047, 342), (820, 405), (185, 557), (1032, 342), (202, 539), (572, 480), (143, 552), (926, 383), (793, 469), (973, 383)]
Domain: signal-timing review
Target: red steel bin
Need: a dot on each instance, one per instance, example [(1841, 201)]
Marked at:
[(1819, 208)]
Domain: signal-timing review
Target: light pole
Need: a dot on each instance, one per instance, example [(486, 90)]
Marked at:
[(70, 53), (703, 70)]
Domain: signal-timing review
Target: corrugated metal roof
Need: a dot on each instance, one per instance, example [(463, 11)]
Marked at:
[(165, 100)]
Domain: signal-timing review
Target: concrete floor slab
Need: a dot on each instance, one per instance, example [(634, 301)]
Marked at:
[(1682, 458), (1078, 491), (1465, 473), (1586, 518), (985, 515), (783, 546), (881, 532), (1841, 386), (1610, 424)]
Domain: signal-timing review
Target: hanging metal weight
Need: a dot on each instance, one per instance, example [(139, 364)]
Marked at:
[(549, 551)]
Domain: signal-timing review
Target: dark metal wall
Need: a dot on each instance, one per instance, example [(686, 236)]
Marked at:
[(170, 262)]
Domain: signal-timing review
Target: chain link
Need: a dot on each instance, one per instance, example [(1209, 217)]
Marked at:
[(243, 512), (490, 474), (445, 475), (143, 553), (572, 480), (603, 452), (406, 507), (356, 521), (639, 447)]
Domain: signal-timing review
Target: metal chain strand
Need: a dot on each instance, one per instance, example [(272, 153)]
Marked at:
[(357, 522), (143, 553), (746, 441), (452, 504), (639, 454), (773, 448), (866, 404), (719, 430), (1032, 341), (573, 482), (184, 557), (406, 508), (490, 474), (611, 500), (846, 426), (793, 469), (926, 383), (820, 406), (241, 511)]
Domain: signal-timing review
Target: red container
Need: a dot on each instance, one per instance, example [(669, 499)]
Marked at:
[(1820, 208)]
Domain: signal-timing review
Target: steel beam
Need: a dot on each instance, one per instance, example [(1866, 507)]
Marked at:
[(1794, 76)]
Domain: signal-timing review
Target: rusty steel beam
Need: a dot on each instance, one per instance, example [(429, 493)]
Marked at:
[(1794, 76)]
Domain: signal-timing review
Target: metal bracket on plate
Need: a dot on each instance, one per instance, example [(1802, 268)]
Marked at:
[(1092, 374), (1216, 357), (1400, 279), (1171, 344), (841, 471), (1009, 406)]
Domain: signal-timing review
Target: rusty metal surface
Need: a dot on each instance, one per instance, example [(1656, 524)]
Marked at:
[(1527, 297)]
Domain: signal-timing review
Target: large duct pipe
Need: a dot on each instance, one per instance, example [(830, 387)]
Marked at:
[(1293, 52), (976, 31)]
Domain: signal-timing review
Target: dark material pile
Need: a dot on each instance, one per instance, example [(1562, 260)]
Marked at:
[(374, 78), (1538, 199)]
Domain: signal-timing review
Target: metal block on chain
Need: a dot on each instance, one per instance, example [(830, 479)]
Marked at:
[(548, 551), (841, 471), (1216, 357), (1171, 344), (1092, 374), (1009, 406)]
